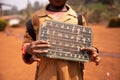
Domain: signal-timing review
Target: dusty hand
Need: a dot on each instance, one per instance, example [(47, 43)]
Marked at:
[(95, 56), (38, 47)]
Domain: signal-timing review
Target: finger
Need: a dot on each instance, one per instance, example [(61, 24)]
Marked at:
[(40, 42), (40, 51), (35, 58), (37, 47), (94, 54), (42, 46), (89, 49), (97, 60)]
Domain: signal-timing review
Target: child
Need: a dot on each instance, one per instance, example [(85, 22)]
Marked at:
[(53, 69)]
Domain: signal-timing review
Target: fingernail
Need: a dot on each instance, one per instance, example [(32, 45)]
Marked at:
[(81, 48), (46, 51), (49, 45)]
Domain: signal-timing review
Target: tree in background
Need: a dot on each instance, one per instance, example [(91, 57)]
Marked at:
[(109, 2), (36, 6), (89, 1), (14, 10), (96, 10), (29, 9)]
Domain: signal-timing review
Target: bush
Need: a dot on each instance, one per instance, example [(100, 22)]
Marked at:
[(97, 12), (3, 24), (114, 22)]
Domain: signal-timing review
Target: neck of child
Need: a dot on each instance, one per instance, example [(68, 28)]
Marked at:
[(56, 8)]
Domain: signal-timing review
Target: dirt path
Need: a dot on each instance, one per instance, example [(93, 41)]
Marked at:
[(13, 68)]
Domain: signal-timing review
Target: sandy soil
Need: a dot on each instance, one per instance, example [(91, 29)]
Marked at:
[(106, 39)]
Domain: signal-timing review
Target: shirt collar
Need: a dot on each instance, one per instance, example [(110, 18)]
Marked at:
[(43, 12)]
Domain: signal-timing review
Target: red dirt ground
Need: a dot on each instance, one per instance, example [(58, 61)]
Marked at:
[(106, 39)]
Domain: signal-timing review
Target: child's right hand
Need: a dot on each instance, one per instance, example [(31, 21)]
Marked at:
[(38, 47)]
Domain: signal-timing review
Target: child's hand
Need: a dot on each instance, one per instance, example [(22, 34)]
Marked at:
[(95, 56), (38, 47)]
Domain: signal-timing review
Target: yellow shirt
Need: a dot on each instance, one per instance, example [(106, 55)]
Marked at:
[(53, 69)]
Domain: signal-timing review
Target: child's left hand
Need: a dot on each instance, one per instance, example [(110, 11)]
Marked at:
[(95, 55)]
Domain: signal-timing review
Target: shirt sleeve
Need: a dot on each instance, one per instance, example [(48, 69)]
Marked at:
[(84, 21), (27, 58)]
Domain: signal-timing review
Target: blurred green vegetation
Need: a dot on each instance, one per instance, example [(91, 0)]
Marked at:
[(3, 24), (97, 11), (114, 22)]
